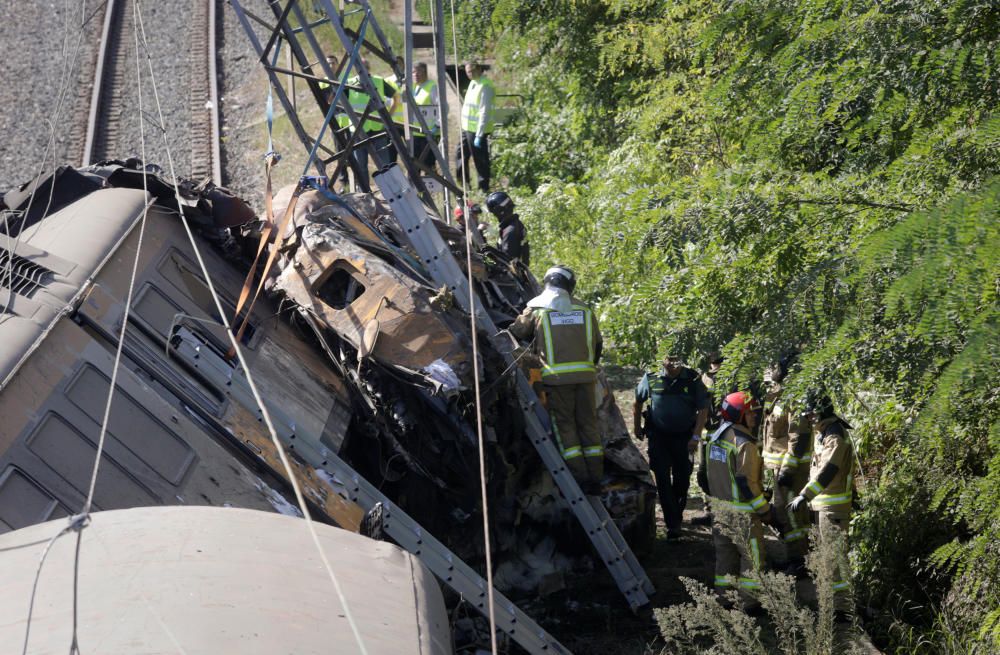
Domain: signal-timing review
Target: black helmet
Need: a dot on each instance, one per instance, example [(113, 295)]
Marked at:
[(818, 402), (499, 203), (561, 277)]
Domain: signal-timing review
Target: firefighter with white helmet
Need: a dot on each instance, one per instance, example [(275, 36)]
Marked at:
[(564, 334)]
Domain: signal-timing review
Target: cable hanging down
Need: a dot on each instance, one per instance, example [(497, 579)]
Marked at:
[(475, 371), (265, 414)]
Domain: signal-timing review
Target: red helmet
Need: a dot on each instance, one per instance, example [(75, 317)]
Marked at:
[(736, 405)]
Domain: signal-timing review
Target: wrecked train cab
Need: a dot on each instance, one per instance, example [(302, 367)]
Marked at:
[(355, 353), (182, 428)]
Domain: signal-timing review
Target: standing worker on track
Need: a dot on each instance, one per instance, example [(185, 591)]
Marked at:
[(372, 129), (679, 408), (565, 337), (425, 95), (477, 124)]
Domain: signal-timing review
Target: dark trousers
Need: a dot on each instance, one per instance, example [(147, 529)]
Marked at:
[(480, 156), (671, 466), (381, 143), (422, 151)]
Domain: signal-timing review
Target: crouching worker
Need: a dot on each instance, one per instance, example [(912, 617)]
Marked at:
[(563, 333), (730, 472)]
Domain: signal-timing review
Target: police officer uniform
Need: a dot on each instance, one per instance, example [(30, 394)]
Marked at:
[(671, 422)]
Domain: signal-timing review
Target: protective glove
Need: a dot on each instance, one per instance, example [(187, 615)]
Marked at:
[(797, 503), (786, 478), (771, 518), (478, 142)]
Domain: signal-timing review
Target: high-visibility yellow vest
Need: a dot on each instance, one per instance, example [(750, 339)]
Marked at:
[(425, 98), (567, 345), (470, 107), (397, 113), (359, 101)]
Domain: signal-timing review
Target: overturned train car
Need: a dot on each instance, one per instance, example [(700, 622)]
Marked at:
[(352, 346)]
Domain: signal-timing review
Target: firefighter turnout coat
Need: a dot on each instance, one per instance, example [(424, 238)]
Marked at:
[(731, 469)]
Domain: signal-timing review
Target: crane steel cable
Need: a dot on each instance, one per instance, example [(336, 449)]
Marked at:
[(265, 414), (67, 69), (85, 514), (475, 363)]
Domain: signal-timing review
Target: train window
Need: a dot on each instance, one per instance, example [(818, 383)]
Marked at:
[(339, 286)]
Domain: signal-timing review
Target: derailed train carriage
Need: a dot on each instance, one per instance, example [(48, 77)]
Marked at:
[(356, 352)]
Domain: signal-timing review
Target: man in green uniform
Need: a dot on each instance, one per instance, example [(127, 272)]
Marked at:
[(830, 491), (373, 129), (679, 407), (564, 335), (731, 472)]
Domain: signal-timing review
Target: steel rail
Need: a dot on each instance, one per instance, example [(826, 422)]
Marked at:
[(95, 92), (109, 81)]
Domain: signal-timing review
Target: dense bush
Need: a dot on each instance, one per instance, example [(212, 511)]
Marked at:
[(765, 175)]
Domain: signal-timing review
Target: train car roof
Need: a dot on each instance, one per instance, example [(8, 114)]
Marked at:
[(217, 580), (50, 262)]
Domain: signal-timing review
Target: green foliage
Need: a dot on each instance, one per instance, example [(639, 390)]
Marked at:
[(706, 626), (773, 175)]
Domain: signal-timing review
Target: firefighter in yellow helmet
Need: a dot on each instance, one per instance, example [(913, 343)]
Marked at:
[(830, 492), (730, 472), (564, 335), (787, 450)]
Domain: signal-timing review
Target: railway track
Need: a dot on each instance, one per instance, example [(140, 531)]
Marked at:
[(114, 74)]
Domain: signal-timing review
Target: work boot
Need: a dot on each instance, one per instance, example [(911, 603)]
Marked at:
[(796, 568), (674, 535), (705, 518)]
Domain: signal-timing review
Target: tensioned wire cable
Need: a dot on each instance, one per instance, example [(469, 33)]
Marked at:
[(475, 365), (265, 414), (80, 521), (67, 69), (74, 646)]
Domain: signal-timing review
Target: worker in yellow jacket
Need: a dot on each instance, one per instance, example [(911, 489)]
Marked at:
[(477, 125), (565, 337), (787, 450), (830, 492), (731, 473)]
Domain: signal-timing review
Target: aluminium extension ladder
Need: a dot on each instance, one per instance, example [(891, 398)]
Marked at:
[(194, 351), (592, 515)]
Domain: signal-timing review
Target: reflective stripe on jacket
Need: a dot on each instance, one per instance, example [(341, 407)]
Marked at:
[(470, 106), (832, 446), (730, 457), (775, 431), (566, 345), (426, 99)]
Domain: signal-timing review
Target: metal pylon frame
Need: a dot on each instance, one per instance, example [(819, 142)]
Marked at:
[(291, 26)]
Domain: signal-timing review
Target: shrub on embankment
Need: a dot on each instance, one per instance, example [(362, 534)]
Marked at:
[(770, 174)]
